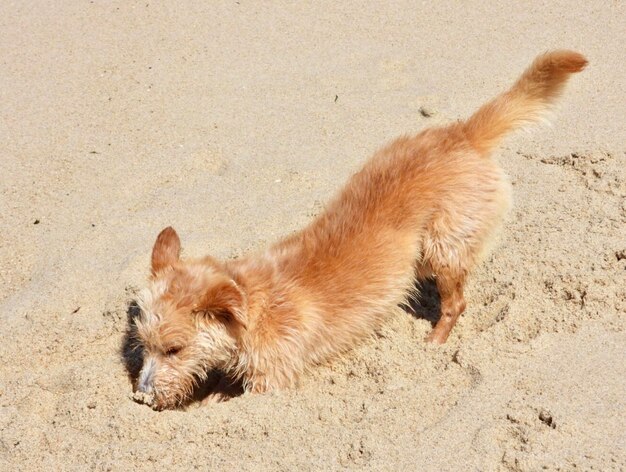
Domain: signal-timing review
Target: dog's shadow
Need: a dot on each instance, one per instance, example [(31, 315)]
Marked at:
[(426, 303), (131, 350), (132, 354)]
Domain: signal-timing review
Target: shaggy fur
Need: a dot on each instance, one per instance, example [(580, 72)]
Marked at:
[(424, 206)]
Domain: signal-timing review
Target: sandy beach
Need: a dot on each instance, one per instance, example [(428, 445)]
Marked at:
[(235, 122)]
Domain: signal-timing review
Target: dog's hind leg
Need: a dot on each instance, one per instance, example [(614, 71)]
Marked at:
[(450, 286), (451, 250)]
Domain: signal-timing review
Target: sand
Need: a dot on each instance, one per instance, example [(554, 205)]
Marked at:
[(234, 123)]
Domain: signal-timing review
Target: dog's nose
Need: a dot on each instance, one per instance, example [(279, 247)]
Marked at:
[(144, 385)]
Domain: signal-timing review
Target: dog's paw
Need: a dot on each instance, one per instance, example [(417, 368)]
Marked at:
[(435, 338)]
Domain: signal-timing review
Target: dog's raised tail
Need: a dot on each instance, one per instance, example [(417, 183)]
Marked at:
[(526, 102)]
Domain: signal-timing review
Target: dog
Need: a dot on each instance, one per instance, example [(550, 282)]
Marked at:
[(424, 206)]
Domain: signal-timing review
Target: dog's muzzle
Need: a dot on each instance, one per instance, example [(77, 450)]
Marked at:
[(145, 376)]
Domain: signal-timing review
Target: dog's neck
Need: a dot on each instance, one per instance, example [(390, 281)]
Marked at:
[(271, 349)]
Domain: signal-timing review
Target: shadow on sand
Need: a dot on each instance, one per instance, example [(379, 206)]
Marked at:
[(426, 304)]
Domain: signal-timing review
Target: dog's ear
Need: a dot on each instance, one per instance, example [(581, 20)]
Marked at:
[(224, 298), (166, 250)]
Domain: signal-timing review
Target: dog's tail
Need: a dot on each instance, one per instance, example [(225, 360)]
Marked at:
[(526, 102)]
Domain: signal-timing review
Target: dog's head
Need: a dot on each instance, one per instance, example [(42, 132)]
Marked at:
[(191, 316)]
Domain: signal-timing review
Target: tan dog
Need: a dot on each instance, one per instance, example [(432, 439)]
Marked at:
[(424, 206)]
